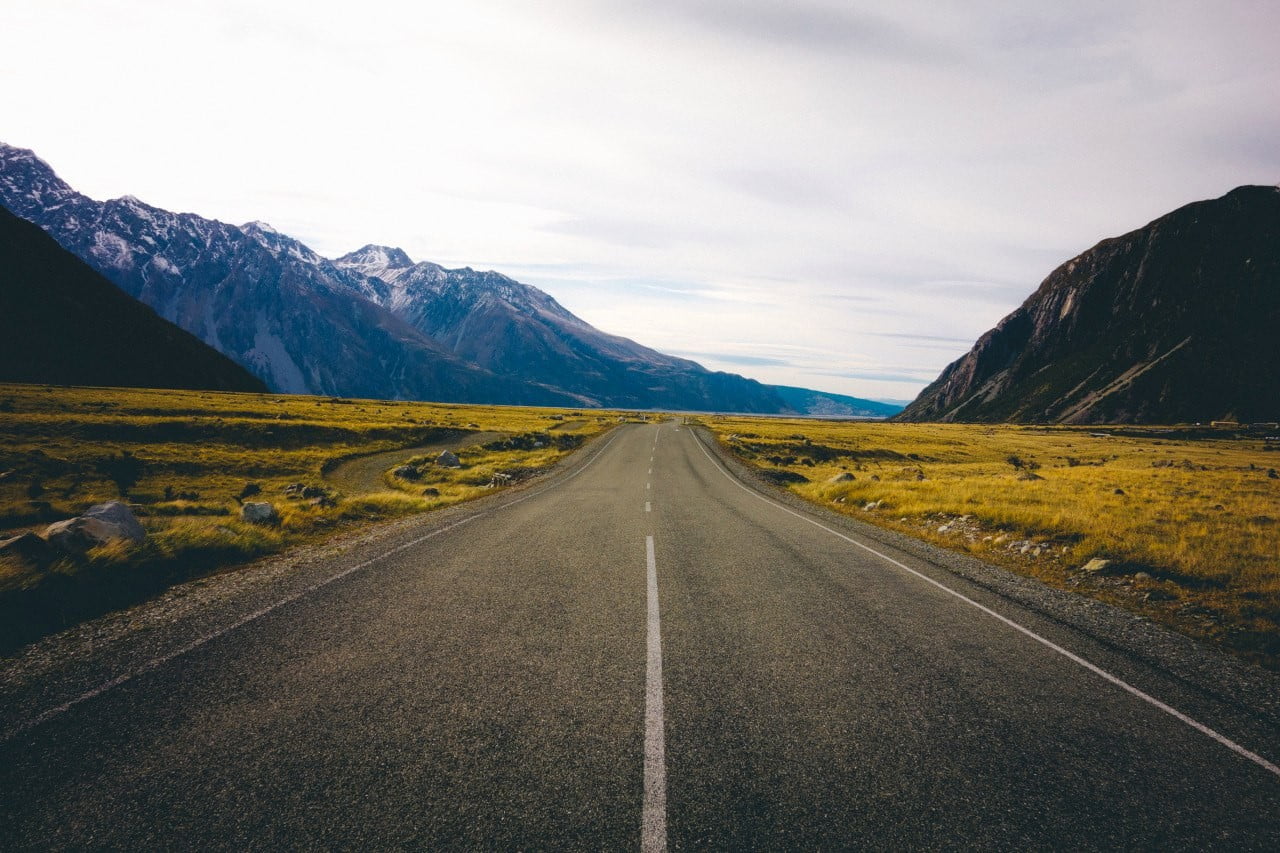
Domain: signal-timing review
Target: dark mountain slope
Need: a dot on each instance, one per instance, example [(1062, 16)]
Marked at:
[(1174, 322), (63, 323)]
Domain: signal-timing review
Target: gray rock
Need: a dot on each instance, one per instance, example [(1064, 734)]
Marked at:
[(1097, 564), (873, 505), (114, 512), (256, 512), (75, 536), (448, 459), (843, 477), (406, 472)]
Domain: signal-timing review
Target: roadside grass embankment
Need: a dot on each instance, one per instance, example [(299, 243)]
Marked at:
[(185, 461), (1187, 520)]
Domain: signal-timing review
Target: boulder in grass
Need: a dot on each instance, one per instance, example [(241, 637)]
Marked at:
[(448, 459), (121, 516), (406, 472), (100, 524), (259, 512), (842, 477), (1096, 566)]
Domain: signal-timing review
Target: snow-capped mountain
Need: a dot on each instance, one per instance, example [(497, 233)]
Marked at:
[(372, 323), (266, 300), (517, 330)]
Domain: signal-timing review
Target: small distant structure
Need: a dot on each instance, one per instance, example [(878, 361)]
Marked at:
[(1224, 424)]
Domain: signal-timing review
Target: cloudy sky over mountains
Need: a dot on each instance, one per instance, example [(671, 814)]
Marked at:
[(837, 195)]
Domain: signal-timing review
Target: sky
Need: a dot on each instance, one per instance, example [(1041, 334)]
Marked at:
[(838, 195)]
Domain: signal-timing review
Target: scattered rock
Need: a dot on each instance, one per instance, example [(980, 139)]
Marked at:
[(501, 478), (448, 459), (324, 502), (1143, 576), (1159, 595), (1119, 492), (842, 477), (259, 513), (119, 515), (946, 528), (431, 492), (406, 472), (875, 478), (1024, 474), (1271, 473), (294, 490), (249, 490), (873, 505), (1096, 565)]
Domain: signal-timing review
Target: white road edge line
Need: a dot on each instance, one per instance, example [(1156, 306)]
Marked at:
[(1071, 656), (647, 507), (653, 816), (258, 614)]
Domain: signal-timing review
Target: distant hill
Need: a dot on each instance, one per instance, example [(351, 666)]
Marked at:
[(63, 323), (1178, 321), (825, 405)]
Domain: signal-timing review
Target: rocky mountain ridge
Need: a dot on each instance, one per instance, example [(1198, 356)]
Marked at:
[(372, 323), (1177, 321)]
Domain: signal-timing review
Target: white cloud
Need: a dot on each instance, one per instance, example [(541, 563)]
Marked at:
[(804, 191)]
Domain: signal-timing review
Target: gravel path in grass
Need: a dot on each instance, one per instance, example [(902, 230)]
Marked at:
[(364, 473)]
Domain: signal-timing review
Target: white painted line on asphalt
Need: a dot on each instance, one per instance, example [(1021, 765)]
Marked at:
[(648, 485), (646, 507), (258, 614), (1071, 656), (650, 471), (653, 815)]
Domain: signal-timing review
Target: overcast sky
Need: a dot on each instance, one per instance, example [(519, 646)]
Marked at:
[(840, 195)]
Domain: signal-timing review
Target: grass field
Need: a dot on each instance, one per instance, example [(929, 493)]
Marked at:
[(1189, 518), (184, 460)]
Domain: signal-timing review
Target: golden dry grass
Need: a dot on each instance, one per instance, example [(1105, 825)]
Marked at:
[(185, 459), (1190, 518)]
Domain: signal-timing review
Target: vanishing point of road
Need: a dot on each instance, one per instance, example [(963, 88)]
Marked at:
[(642, 652)]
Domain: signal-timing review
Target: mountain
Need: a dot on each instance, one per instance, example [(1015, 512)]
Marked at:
[(1178, 321), (821, 404), (63, 323), (273, 306), (370, 324), (514, 329)]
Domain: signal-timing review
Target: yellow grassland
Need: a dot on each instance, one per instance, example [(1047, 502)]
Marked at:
[(1190, 520), (196, 452)]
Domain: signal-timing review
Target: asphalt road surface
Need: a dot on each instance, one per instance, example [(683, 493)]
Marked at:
[(642, 652)]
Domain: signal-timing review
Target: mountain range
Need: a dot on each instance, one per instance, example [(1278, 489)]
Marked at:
[(372, 323), (63, 323), (1177, 321)]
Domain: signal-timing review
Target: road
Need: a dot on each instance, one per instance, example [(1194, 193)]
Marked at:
[(641, 652)]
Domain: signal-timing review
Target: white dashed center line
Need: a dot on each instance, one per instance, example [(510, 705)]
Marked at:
[(653, 817)]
